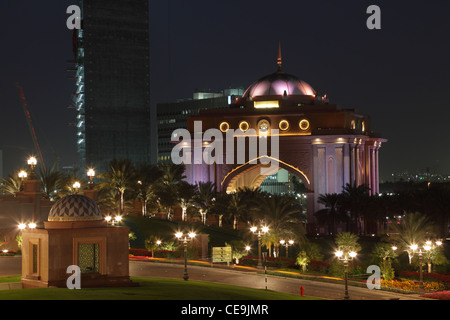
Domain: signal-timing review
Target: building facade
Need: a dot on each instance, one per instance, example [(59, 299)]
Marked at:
[(172, 116), (282, 123), (112, 76)]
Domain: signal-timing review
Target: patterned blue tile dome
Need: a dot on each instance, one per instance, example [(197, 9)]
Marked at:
[(75, 208)]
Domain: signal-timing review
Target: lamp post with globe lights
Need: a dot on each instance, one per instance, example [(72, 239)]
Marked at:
[(259, 231), (91, 174), (22, 175), (185, 238), (286, 244), (429, 248), (113, 222), (32, 162), (76, 187), (345, 256), (30, 225)]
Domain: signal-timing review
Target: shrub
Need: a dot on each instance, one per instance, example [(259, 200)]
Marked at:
[(430, 277), (410, 285), (387, 271), (441, 295), (318, 266), (336, 268), (140, 252)]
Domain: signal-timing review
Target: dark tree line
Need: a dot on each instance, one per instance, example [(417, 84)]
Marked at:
[(363, 213)]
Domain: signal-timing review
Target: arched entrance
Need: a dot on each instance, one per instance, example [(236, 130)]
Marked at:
[(252, 175)]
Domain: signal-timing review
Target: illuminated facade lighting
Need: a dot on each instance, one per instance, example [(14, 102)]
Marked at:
[(266, 104), (224, 127), (283, 125), (244, 126), (304, 124)]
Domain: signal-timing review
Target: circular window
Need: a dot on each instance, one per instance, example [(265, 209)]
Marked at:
[(224, 126), (304, 124), (284, 125), (244, 126)]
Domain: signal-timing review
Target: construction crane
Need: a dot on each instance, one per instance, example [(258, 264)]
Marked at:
[(30, 125)]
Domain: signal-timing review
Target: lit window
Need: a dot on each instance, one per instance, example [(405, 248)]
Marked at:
[(304, 124), (283, 125), (266, 104), (224, 126), (244, 126)]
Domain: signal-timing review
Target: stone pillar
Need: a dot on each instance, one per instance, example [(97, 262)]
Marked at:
[(91, 194)]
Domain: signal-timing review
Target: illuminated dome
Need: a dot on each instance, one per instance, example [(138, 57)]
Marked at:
[(75, 208), (279, 84)]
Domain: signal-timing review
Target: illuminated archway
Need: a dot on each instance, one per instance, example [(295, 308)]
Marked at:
[(250, 174)]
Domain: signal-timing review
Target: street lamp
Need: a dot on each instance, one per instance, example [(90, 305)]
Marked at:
[(345, 255), (287, 244), (185, 238), (429, 247), (111, 221), (23, 226), (259, 231), (91, 174), (22, 175), (76, 186), (32, 162)]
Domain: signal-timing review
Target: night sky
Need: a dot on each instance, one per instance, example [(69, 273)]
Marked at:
[(398, 75)]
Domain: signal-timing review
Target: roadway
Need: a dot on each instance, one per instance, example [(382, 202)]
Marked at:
[(241, 277), (253, 279)]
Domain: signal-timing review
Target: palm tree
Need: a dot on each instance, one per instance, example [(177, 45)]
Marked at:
[(355, 202), (283, 216), (347, 241), (146, 187), (172, 175), (250, 198), (220, 207), (205, 197), (11, 185), (331, 214), (237, 206), (121, 177), (413, 228), (185, 195)]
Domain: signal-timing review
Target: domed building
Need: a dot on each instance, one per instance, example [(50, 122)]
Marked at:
[(75, 235), (281, 122), (75, 208)]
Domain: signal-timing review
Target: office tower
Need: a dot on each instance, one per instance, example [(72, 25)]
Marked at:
[(112, 75)]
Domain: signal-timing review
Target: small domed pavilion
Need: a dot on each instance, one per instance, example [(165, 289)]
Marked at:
[(75, 234)]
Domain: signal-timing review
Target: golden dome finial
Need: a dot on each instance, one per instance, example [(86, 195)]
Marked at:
[(279, 59)]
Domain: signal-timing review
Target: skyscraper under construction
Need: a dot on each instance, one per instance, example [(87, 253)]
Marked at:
[(112, 95)]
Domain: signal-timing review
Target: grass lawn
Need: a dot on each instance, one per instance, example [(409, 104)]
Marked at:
[(151, 289), (7, 279)]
